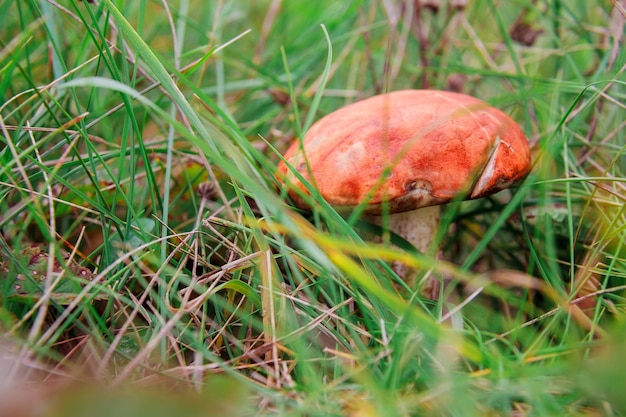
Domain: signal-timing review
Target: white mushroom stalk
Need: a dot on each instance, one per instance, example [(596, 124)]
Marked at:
[(418, 227)]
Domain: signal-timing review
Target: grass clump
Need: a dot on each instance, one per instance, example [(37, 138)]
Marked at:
[(145, 242)]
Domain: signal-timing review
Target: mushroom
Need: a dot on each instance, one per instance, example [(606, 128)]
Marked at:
[(410, 150)]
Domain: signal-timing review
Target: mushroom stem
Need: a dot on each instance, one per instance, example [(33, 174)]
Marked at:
[(418, 227)]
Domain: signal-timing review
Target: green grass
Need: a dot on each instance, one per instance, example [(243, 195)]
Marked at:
[(121, 267)]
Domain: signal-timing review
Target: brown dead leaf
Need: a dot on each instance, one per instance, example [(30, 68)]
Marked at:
[(436, 5)]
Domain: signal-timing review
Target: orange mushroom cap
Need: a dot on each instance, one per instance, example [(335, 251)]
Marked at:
[(411, 148)]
